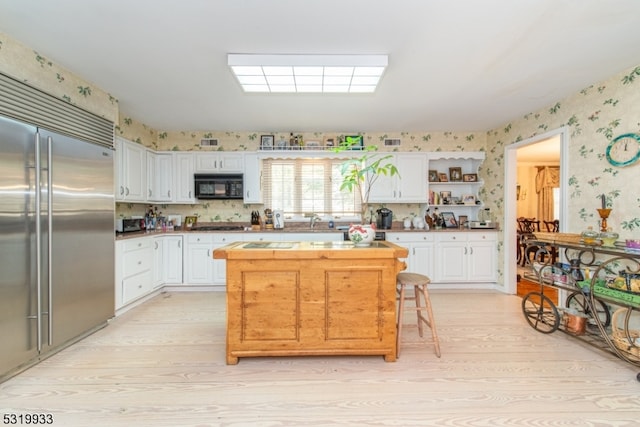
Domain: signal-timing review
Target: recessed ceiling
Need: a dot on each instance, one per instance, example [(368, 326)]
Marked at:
[(458, 65)]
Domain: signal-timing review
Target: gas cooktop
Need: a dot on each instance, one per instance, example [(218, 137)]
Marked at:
[(217, 228)]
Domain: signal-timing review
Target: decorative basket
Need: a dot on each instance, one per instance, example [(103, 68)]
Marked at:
[(620, 339)]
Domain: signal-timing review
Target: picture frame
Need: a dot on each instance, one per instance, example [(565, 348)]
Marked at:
[(455, 174), (468, 199), (433, 176), (267, 142), (329, 141), (449, 220), (442, 177), (445, 196), (470, 177), (190, 221), (463, 221)]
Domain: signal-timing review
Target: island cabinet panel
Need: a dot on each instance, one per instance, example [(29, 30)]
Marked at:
[(308, 301)]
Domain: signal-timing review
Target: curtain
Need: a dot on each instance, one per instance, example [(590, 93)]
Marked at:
[(547, 179)]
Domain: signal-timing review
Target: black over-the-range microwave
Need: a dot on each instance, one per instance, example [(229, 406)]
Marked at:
[(218, 186)]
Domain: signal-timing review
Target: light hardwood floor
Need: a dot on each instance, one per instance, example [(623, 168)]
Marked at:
[(163, 364)]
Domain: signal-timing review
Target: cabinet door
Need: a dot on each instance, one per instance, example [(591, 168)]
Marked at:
[(219, 162), (412, 182), (482, 260), (164, 177), (231, 162), (199, 264), (252, 179), (421, 259), (451, 261), (219, 275), (158, 262), (198, 258), (173, 259), (134, 172), (184, 166)]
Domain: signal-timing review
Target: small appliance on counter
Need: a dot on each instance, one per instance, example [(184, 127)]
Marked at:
[(385, 219), (130, 225), (278, 219), (268, 219), (484, 220)]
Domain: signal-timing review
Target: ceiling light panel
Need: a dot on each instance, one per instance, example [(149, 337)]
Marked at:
[(308, 73)]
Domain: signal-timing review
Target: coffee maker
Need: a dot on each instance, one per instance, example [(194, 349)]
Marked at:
[(385, 219)]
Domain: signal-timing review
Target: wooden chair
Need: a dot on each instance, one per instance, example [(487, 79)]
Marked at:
[(419, 283), (552, 226), (528, 227)]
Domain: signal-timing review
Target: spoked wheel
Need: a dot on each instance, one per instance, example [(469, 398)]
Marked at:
[(540, 312), (580, 302)]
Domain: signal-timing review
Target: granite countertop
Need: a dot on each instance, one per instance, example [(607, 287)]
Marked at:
[(295, 228)]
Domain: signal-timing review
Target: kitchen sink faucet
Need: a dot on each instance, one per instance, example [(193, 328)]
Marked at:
[(314, 218)]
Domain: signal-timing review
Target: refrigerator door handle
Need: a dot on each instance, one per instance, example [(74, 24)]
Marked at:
[(38, 196), (49, 240)]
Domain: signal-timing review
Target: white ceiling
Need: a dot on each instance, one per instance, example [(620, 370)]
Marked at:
[(457, 65)]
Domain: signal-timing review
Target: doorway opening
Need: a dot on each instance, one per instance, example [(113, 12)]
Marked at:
[(512, 197)]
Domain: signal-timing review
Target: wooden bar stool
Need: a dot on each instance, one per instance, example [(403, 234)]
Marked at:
[(419, 283)]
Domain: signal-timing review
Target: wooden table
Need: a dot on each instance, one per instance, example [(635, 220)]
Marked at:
[(311, 298)]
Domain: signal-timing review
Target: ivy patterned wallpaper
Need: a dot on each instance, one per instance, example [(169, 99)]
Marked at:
[(20, 62), (595, 116)]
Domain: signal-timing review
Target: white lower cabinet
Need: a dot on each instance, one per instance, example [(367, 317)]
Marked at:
[(198, 261), (466, 257), (158, 261), (200, 267), (134, 265), (420, 246), (172, 259)]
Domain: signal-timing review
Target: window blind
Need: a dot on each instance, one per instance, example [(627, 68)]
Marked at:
[(301, 187)]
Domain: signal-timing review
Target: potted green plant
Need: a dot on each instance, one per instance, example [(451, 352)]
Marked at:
[(359, 174)]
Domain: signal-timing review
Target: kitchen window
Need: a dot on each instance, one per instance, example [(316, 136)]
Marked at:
[(302, 187)]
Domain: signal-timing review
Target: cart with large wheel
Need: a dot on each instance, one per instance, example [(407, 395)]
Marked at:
[(600, 286)]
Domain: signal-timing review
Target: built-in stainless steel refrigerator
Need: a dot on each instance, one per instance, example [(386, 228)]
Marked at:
[(56, 241)]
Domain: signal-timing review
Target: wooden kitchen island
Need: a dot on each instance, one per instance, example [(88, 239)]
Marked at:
[(311, 298)]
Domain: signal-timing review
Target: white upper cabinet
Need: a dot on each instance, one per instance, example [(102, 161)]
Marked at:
[(130, 171), (220, 162), (159, 177), (184, 167), (409, 186), (252, 185)]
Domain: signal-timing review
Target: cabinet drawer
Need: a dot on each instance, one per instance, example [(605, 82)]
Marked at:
[(135, 244), (136, 286), (227, 238), (200, 238), (409, 237), (136, 262), (485, 237), (452, 237)]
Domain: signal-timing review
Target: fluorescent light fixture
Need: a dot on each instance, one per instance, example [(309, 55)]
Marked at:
[(308, 73)]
